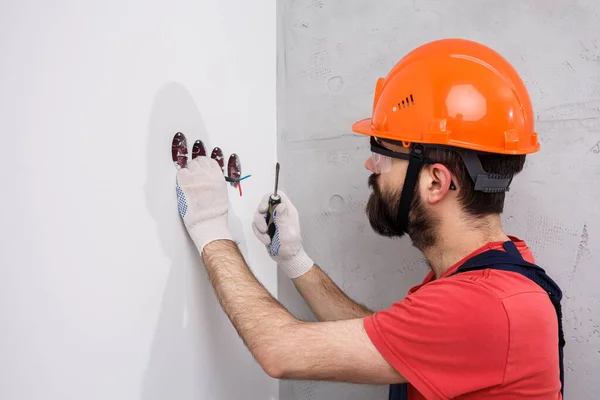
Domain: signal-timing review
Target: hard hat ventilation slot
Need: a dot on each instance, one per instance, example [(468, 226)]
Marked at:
[(407, 102)]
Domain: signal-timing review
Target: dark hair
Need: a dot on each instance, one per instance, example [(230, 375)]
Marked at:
[(476, 203)]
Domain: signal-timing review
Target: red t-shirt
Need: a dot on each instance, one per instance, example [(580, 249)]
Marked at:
[(476, 335)]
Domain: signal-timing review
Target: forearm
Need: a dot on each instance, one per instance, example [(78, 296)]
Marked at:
[(283, 346), (326, 299), (258, 317)]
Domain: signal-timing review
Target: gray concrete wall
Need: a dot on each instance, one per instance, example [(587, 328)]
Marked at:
[(330, 55)]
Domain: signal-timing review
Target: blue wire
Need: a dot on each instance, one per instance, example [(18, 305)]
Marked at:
[(233, 180)]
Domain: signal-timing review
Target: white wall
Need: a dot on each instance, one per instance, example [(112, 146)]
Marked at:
[(102, 295)]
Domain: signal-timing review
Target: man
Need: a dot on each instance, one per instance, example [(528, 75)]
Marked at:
[(451, 125)]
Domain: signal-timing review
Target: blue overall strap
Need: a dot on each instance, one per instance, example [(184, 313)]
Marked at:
[(512, 261), (398, 391)]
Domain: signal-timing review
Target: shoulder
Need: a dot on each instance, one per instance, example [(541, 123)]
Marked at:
[(502, 284), (460, 307), (494, 299)]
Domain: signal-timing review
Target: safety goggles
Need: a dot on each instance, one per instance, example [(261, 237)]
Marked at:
[(382, 157)]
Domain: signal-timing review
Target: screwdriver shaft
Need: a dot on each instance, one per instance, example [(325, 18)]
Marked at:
[(274, 200), (275, 196)]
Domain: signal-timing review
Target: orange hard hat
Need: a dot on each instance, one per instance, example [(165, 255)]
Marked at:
[(454, 92)]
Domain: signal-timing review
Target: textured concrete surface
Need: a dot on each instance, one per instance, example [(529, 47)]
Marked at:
[(330, 55)]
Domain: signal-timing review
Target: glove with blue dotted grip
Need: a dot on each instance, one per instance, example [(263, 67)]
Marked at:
[(203, 201), (286, 247)]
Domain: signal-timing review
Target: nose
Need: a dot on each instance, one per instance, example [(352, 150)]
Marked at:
[(369, 164)]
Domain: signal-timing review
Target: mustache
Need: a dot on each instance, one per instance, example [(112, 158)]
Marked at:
[(372, 182)]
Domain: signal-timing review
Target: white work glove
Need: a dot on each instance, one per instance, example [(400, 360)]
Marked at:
[(203, 201), (286, 247)]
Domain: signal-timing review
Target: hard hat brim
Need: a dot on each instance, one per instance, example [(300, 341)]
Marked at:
[(363, 126)]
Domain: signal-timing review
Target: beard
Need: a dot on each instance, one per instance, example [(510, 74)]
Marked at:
[(382, 210)]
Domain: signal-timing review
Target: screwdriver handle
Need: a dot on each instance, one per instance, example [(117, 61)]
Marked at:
[(273, 201)]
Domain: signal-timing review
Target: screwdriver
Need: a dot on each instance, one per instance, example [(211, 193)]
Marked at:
[(274, 199)]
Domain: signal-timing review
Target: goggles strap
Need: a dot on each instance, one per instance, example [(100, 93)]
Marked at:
[(416, 161)]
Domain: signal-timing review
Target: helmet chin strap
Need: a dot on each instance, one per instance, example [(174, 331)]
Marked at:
[(417, 159)]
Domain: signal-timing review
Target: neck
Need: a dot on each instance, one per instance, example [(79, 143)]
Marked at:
[(458, 238)]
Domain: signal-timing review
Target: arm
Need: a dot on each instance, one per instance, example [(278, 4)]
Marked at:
[(327, 301), (285, 347)]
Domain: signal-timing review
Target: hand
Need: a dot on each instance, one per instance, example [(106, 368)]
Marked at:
[(203, 201), (286, 246)]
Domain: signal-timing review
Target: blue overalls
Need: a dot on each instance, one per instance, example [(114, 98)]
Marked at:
[(512, 261)]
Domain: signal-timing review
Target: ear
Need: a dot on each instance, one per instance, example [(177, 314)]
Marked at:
[(439, 180)]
